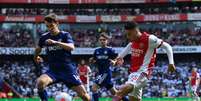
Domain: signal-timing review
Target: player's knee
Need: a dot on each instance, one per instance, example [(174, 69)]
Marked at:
[(85, 97), (129, 87), (125, 90), (113, 91), (40, 83), (94, 89)]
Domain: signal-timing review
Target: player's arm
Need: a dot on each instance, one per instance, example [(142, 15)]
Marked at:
[(89, 72), (122, 54), (169, 52), (189, 78), (158, 43), (88, 69), (66, 46), (198, 79), (92, 60), (125, 51), (68, 43), (37, 52)]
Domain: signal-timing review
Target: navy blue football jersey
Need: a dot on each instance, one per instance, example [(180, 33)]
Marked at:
[(58, 58), (102, 57)]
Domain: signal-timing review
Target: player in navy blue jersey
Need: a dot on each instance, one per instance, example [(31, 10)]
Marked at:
[(59, 45), (102, 58)]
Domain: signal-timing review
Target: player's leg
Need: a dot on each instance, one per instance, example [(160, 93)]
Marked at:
[(99, 82), (113, 91), (132, 98), (133, 86), (195, 95), (41, 83), (85, 82), (136, 95), (123, 91), (74, 82), (81, 91), (87, 85), (95, 94)]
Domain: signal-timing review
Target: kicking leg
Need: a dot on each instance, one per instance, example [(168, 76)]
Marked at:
[(41, 83), (81, 91), (95, 94)]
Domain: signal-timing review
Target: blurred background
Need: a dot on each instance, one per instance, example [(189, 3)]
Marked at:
[(177, 22)]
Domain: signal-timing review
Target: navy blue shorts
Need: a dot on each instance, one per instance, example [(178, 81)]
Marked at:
[(104, 80), (69, 80)]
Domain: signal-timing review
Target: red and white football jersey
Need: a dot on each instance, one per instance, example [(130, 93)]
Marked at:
[(84, 71), (143, 53), (194, 78)]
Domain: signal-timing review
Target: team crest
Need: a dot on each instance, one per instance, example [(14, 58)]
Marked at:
[(105, 52), (141, 45)]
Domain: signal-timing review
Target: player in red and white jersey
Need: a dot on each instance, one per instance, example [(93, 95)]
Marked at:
[(84, 71), (194, 84), (143, 54)]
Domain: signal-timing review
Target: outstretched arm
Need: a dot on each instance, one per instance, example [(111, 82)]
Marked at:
[(156, 43), (125, 51), (169, 52), (121, 55), (66, 46)]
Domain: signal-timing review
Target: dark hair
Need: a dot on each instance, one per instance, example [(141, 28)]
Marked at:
[(131, 25), (51, 18), (104, 35)]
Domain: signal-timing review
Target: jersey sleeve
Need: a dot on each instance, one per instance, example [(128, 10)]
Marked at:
[(94, 55), (113, 54), (155, 42), (68, 38), (125, 51), (41, 42)]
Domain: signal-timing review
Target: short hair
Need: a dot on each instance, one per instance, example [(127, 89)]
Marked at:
[(104, 35), (51, 18), (131, 25)]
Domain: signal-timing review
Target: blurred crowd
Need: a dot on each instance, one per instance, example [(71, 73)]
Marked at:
[(21, 75), (16, 37), (101, 11), (175, 37), (24, 37)]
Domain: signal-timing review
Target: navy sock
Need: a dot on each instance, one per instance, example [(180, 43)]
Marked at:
[(43, 95), (95, 96), (125, 98)]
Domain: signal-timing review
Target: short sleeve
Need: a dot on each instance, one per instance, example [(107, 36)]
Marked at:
[(155, 42), (68, 38)]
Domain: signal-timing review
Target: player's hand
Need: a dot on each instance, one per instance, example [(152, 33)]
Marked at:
[(113, 62), (117, 61), (171, 68), (38, 59), (50, 41), (91, 60)]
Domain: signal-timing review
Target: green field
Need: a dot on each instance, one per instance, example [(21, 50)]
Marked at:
[(106, 99)]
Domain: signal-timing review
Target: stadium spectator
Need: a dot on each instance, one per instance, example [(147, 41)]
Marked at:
[(102, 11), (21, 76), (23, 37)]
